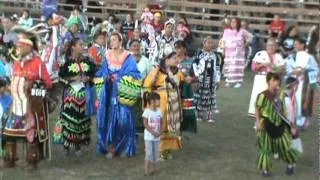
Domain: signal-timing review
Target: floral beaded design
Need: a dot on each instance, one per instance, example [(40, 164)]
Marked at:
[(78, 67)]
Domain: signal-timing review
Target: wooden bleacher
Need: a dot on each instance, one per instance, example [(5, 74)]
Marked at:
[(204, 17)]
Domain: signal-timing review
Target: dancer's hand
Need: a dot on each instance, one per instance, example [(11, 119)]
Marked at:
[(188, 79), (84, 78), (113, 77), (258, 125), (298, 71), (293, 131), (157, 134)]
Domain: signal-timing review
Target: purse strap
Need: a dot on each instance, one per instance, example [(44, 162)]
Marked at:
[(284, 118)]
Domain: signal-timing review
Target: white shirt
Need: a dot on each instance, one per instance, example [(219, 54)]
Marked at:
[(291, 108), (144, 66), (154, 122), (303, 60)]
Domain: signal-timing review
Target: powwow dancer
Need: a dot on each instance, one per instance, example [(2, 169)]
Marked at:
[(76, 75), (96, 53), (273, 129), (166, 80), (74, 31), (144, 65), (189, 122), (142, 38), (304, 67), (51, 34), (206, 69), (166, 40), (115, 118), (29, 118), (262, 63), (234, 42), (52, 28), (51, 53)]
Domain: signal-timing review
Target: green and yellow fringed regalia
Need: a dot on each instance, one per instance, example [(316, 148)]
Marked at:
[(76, 124), (129, 93), (98, 83), (95, 53), (129, 90), (275, 136)]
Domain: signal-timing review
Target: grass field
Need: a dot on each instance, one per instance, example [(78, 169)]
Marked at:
[(223, 151)]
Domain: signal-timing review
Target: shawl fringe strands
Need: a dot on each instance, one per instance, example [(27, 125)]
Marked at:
[(207, 69)]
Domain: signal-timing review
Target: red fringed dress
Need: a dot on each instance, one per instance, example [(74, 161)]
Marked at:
[(28, 112)]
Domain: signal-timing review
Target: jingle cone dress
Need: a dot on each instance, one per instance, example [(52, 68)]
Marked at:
[(75, 121)]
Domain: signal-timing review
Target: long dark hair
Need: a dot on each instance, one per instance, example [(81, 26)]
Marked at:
[(162, 63), (238, 26), (180, 44), (162, 68), (72, 43), (113, 16)]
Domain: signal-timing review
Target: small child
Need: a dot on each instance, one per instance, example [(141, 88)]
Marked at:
[(290, 101), (291, 106), (152, 117), (146, 16)]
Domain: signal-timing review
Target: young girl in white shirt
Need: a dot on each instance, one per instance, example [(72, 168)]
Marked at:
[(152, 118)]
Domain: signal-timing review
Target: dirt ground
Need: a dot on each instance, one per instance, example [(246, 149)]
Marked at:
[(222, 151)]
